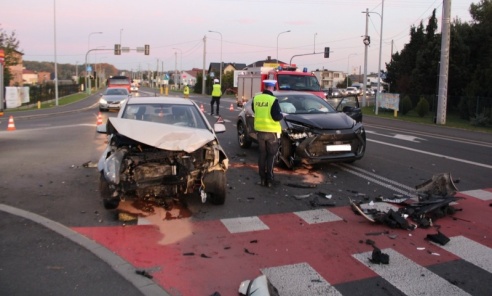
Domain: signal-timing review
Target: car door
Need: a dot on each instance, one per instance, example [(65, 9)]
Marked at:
[(350, 106)]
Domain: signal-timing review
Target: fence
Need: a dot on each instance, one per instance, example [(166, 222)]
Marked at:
[(46, 92)]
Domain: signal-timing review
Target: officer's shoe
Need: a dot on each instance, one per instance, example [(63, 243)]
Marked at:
[(263, 182)]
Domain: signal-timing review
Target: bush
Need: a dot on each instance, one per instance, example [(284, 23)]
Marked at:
[(422, 107), (480, 120), (405, 105)]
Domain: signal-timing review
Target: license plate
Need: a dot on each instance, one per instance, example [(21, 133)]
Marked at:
[(337, 148), (114, 105)]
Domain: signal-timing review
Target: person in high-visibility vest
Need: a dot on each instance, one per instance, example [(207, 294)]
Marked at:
[(267, 126), (216, 94), (186, 91)]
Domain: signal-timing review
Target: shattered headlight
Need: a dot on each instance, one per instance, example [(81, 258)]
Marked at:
[(112, 166), (297, 136), (298, 132)]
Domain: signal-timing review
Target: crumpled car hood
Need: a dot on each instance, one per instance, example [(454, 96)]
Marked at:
[(322, 121), (163, 136)]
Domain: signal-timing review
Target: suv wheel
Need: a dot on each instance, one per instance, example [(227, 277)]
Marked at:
[(242, 135)]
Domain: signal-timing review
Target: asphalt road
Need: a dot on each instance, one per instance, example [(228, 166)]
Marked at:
[(48, 169)]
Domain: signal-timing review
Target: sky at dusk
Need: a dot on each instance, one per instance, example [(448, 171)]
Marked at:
[(250, 30)]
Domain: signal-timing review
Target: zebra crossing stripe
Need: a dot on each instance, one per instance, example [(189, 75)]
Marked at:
[(470, 251), (409, 277), (317, 216), (299, 279), (480, 194), (244, 224)]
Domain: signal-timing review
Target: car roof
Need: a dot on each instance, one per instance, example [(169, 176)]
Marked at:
[(159, 100)]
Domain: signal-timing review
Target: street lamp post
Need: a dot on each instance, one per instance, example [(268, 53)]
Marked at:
[(86, 63), (121, 30), (221, 62), (314, 50), (348, 60), (56, 64), (277, 41), (180, 62), (378, 92)]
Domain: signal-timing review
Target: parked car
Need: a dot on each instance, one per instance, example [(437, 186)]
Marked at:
[(161, 148), (312, 130), (112, 98)]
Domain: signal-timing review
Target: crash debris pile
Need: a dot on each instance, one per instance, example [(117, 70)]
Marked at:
[(434, 201)]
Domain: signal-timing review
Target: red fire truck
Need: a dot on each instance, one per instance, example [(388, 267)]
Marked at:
[(288, 77), (120, 81)]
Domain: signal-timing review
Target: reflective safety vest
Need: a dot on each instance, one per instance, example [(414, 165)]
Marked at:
[(186, 90), (216, 92), (263, 119)]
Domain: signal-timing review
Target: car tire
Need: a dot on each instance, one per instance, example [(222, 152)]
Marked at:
[(285, 153), (109, 202), (215, 187), (242, 135)]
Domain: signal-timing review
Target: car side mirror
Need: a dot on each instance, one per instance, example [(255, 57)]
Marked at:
[(219, 128)]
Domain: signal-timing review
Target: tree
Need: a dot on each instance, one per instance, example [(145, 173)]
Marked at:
[(10, 45)]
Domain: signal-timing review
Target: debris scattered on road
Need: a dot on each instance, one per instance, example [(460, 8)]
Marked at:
[(89, 164), (204, 256), (434, 199), (189, 254), (315, 202), (302, 196), (144, 273), (301, 185), (438, 238), (379, 257), (255, 241), (248, 252)]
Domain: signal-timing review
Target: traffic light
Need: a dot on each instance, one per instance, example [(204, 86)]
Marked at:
[(327, 52), (117, 49), (147, 49)]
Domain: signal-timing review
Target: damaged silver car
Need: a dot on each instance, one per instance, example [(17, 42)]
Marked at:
[(161, 148)]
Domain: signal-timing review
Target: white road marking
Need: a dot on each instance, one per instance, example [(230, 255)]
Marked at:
[(470, 251), (399, 137), (409, 277), (299, 279), (433, 154), (317, 216), (244, 224), (478, 193)]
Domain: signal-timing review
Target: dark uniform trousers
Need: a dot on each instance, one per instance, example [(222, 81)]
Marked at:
[(268, 144)]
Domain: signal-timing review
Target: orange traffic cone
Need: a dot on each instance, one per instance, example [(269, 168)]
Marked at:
[(231, 108), (201, 108), (11, 126), (99, 119)]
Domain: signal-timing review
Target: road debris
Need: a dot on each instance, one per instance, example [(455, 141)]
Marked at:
[(301, 185), (143, 273), (438, 238), (248, 252), (434, 198), (379, 257)]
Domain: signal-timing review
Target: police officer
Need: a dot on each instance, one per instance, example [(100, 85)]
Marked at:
[(216, 94), (266, 123), (186, 91)]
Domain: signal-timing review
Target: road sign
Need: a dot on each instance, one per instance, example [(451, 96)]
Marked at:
[(89, 69)]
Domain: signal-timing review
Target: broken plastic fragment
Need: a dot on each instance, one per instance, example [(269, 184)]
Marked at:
[(420, 248)]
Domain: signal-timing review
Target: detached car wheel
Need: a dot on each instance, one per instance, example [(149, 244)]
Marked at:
[(110, 203), (215, 187), (242, 136), (285, 153)]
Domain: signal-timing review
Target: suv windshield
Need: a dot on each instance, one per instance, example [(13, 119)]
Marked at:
[(303, 103), (298, 82)]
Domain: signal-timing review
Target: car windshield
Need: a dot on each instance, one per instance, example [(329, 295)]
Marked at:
[(298, 82), (303, 103), (116, 91), (178, 115)]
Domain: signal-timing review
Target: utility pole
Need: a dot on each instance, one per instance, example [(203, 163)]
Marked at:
[(444, 63), (204, 56), (366, 45)]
